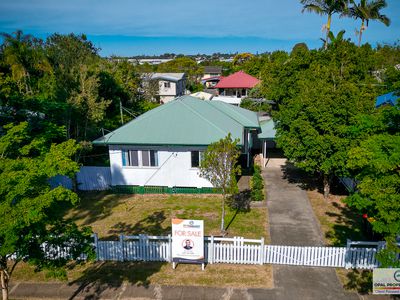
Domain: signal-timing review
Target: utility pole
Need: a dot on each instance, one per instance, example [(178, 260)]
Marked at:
[(120, 111)]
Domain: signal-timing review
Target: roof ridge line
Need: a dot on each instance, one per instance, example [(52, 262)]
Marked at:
[(208, 121), (237, 113), (225, 113)]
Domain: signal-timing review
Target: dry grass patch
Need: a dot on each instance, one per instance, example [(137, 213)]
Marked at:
[(338, 222), (110, 215), (144, 274)]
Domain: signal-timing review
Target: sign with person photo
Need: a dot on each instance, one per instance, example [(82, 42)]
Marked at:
[(187, 241)]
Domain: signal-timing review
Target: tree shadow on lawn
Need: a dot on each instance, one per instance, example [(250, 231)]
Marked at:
[(94, 206), (308, 181), (240, 203), (151, 225), (359, 280), (102, 279), (347, 225)]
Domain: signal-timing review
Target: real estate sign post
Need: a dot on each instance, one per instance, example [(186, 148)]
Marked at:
[(187, 242)]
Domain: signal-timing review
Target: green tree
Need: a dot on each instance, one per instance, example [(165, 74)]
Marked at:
[(367, 10), (375, 162), (29, 208), (320, 107), (219, 166), (325, 7)]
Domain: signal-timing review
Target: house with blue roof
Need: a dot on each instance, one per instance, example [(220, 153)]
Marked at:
[(163, 147)]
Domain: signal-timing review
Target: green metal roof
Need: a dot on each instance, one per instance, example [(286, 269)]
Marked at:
[(183, 121), (268, 131)]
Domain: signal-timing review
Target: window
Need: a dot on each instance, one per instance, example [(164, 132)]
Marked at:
[(148, 158), (197, 156), (167, 84), (130, 158)]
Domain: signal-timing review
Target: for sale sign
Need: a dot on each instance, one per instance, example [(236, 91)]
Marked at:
[(187, 241), (386, 281)]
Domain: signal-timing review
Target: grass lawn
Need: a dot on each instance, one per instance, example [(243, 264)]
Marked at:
[(110, 215), (339, 223)]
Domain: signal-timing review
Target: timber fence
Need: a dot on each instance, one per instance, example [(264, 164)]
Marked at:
[(238, 250)]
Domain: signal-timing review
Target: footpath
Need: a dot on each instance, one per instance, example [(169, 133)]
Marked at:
[(291, 221)]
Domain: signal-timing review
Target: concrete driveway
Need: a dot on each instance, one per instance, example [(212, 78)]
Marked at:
[(293, 223)]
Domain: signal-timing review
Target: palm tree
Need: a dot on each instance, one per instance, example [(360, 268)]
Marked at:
[(335, 39), (16, 49), (368, 10), (325, 7)]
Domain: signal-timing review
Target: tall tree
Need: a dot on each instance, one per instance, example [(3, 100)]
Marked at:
[(320, 106), (29, 208), (375, 162), (219, 166), (325, 7), (367, 10), (23, 54)]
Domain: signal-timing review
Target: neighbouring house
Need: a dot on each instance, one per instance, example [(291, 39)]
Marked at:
[(212, 75), (212, 71), (391, 98), (236, 85), (163, 147), (211, 82), (170, 85)]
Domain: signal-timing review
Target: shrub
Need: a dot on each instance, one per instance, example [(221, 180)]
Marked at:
[(257, 185)]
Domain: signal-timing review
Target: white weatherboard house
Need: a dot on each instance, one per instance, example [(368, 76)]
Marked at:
[(171, 85), (163, 146)]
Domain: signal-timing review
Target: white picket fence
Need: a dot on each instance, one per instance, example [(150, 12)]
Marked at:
[(238, 250), (88, 179)]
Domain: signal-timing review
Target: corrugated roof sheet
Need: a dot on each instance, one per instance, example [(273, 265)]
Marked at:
[(168, 76), (238, 80), (389, 98), (212, 69), (183, 121), (268, 131)]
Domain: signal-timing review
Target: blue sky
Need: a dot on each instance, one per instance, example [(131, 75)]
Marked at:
[(132, 27)]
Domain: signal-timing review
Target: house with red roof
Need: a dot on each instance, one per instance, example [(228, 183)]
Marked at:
[(236, 85)]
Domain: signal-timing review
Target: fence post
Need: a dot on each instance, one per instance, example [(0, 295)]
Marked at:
[(169, 248), (211, 254), (347, 263), (262, 252), (96, 245), (121, 244)]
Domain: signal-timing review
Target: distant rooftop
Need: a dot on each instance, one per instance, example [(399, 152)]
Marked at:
[(387, 99), (238, 80), (212, 69), (168, 76)]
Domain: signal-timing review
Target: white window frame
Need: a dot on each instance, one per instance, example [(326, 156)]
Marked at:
[(140, 159)]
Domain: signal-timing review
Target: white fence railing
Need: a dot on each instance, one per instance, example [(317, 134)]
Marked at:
[(238, 250)]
